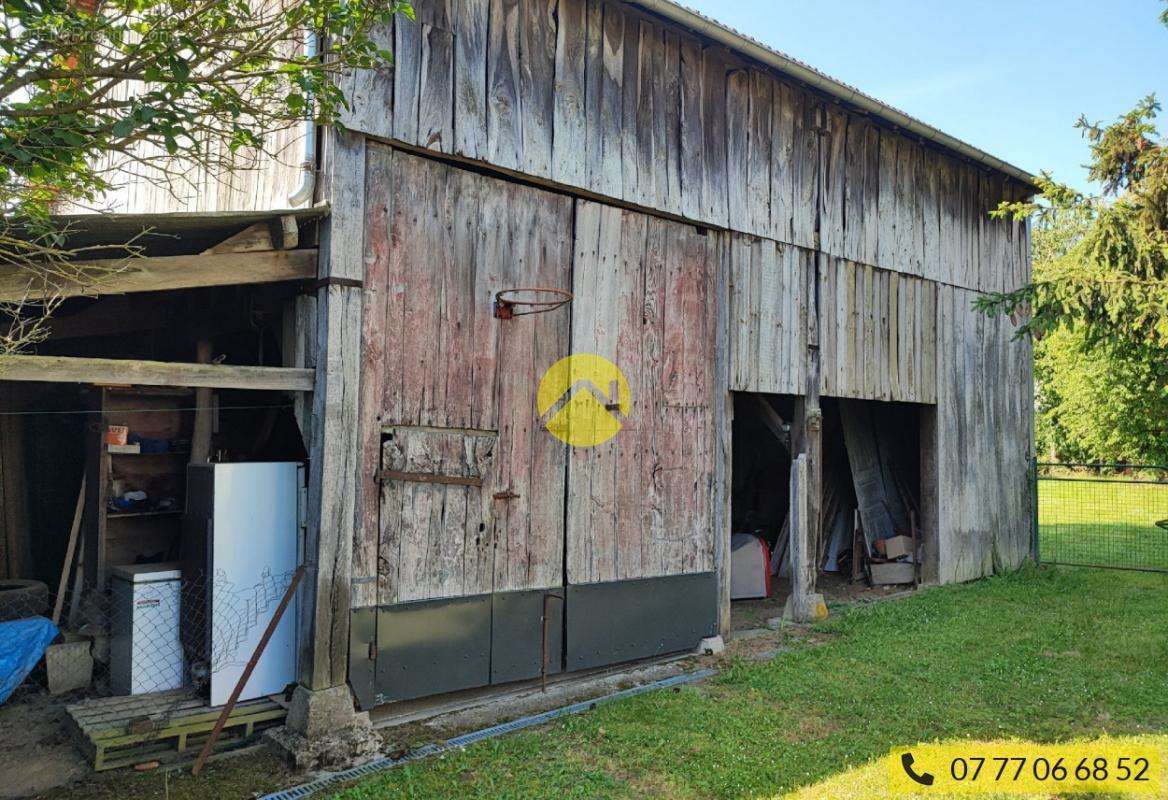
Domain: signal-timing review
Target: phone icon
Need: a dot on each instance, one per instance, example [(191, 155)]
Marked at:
[(906, 761)]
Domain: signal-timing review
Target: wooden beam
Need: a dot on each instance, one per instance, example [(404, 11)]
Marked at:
[(285, 232), (161, 273), (252, 239), (61, 369), (774, 423)]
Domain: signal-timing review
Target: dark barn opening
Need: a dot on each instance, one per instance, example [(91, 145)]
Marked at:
[(870, 511)]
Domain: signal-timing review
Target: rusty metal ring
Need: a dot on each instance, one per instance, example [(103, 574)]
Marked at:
[(507, 300)]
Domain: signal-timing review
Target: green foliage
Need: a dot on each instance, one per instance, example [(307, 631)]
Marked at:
[(1097, 305), (92, 88), (1098, 399), (1113, 283)]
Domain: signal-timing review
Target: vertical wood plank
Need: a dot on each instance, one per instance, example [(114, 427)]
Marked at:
[(436, 90), (469, 23), (504, 131), (537, 70), (805, 173), (570, 121), (714, 183), (833, 171), (692, 129), (738, 148), (782, 162)]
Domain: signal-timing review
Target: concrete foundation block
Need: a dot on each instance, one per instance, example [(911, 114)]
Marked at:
[(711, 646), (340, 750), (810, 608), (324, 731), (69, 666), (318, 713)]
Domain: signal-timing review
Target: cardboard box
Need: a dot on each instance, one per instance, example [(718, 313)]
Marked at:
[(898, 546)]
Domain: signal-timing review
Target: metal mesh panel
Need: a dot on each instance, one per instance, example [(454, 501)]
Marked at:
[(154, 639), (1103, 516)]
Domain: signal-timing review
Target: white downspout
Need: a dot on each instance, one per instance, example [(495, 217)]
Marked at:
[(302, 195)]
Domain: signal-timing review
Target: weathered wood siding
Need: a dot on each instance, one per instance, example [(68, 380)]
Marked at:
[(599, 97), (244, 180), (643, 503), (449, 390), (255, 182), (984, 431), (768, 316), (877, 335)]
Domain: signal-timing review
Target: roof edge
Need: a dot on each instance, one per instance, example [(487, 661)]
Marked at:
[(796, 69)]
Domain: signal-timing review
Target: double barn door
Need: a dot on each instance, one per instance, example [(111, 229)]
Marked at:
[(481, 520)]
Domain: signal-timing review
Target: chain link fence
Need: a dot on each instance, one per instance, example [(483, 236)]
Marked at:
[(1103, 515), (153, 631)]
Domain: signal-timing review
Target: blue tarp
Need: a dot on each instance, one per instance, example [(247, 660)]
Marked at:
[(22, 643)]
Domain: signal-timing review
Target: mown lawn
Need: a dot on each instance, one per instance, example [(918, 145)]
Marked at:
[(1110, 522), (1048, 655)]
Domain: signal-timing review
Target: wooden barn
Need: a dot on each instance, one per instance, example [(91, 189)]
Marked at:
[(782, 268)]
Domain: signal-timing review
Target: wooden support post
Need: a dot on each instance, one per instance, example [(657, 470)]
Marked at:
[(334, 447), (201, 436), (803, 605), (723, 454)]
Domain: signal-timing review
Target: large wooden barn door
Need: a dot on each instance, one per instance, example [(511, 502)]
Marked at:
[(471, 511), (640, 525)]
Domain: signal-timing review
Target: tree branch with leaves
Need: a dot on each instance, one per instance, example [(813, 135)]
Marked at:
[(1097, 306), (90, 89)]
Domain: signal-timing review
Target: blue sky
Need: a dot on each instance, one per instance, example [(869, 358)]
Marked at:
[(1008, 77)]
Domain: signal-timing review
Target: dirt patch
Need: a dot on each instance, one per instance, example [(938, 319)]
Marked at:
[(38, 753), (242, 776), (42, 761), (836, 589)]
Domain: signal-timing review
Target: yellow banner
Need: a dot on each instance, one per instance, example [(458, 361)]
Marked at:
[(1024, 768)]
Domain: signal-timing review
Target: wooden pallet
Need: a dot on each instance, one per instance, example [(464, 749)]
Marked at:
[(163, 726)]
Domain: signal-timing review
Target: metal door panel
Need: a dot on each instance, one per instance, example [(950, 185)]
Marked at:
[(610, 623), (432, 646), (517, 633)]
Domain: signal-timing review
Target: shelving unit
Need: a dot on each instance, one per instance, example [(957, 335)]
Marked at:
[(149, 533)]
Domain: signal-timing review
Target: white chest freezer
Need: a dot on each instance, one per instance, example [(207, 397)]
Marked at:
[(145, 652), (242, 540)]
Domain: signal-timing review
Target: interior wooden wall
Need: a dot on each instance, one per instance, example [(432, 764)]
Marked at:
[(14, 531)]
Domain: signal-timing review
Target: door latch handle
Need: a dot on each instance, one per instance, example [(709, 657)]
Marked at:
[(506, 495)]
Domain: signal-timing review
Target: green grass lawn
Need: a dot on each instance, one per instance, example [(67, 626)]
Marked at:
[(1047, 655), (1110, 522)]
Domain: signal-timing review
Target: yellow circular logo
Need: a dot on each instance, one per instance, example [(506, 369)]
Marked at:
[(582, 400)]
